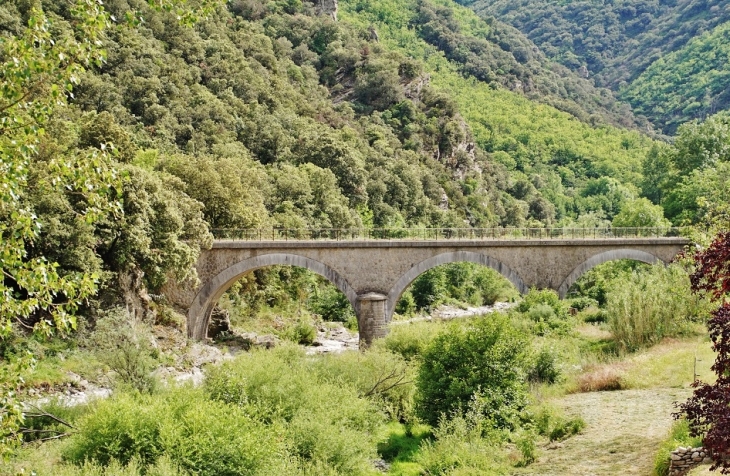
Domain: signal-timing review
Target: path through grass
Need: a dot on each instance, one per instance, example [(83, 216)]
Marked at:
[(625, 428)]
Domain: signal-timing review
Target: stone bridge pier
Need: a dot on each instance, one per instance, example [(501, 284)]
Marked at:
[(373, 274)]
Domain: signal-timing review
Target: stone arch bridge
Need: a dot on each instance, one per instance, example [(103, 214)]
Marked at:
[(374, 273)]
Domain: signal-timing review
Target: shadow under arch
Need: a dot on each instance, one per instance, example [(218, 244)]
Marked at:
[(603, 258), (202, 306), (446, 258)]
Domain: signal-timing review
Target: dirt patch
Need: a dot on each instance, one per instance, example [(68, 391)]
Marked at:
[(623, 432)]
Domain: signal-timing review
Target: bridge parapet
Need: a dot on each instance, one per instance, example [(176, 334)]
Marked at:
[(349, 234)]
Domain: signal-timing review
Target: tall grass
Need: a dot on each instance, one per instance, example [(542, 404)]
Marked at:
[(653, 304)]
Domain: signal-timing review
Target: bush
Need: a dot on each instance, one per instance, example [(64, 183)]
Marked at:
[(125, 345), (332, 305), (323, 420), (47, 420), (565, 428), (543, 298), (409, 340), (464, 445), (546, 311), (545, 368), (485, 360), (652, 305), (302, 332), (582, 303), (551, 423), (383, 377), (596, 317), (199, 435), (406, 305)]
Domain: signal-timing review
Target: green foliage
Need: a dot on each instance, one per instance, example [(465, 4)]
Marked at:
[(332, 305), (582, 303), (545, 368), (303, 332), (692, 185), (640, 213), (323, 420), (193, 432), (595, 283), (652, 46), (484, 362), (545, 310), (460, 282), (688, 83), (49, 420), (648, 306), (550, 422), (409, 340), (464, 444), (265, 413), (125, 346), (384, 377)]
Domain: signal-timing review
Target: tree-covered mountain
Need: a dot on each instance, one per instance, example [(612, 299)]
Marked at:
[(687, 83), (614, 42), (269, 113)]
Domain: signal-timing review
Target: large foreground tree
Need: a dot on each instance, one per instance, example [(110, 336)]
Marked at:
[(708, 411)]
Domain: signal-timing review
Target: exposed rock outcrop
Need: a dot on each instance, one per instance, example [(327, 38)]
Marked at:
[(326, 7)]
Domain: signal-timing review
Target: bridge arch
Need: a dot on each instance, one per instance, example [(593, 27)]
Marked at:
[(445, 258), (202, 306), (603, 258)]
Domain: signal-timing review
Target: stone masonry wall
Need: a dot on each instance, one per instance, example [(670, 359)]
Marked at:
[(683, 460)]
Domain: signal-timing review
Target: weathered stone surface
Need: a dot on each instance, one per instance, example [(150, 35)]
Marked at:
[(327, 7), (220, 322), (387, 268), (683, 460)]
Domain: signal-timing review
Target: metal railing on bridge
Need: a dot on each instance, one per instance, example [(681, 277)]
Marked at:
[(335, 234)]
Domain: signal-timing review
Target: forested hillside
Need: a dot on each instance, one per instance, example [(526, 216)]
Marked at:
[(615, 42), (133, 130), (267, 114), (686, 83)]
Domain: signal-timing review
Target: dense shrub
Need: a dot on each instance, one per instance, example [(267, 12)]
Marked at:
[(465, 445), (582, 303), (384, 377), (550, 422), (544, 297), (651, 305), (125, 345), (545, 368), (325, 423), (332, 305), (595, 283), (485, 360), (409, 340), (203, 436), (266, 413), (545, 310)]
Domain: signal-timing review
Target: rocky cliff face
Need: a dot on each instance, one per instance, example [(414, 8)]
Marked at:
[(326, 7)]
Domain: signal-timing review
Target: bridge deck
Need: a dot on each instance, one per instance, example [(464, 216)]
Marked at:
[(445, 243)]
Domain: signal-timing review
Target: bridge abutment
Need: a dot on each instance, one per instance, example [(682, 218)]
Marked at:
[(371, 318)]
